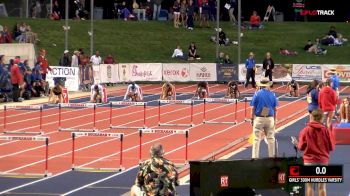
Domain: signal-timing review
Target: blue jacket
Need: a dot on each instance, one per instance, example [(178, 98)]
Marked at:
[(314, 100), (250, 63), (264, 98), (335, 81)]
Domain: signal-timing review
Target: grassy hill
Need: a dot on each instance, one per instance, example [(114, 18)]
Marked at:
[(154, 41)]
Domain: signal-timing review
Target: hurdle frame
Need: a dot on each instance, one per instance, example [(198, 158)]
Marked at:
[(164, 131), (37, 107), (126, 103), (246, 99), (85, 105), (29, 138), (97, 134), (220, 100), (191, 102)]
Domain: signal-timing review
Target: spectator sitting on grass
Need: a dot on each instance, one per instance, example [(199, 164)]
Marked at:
[(178, 53), (221, 59), (5, 36), (227, 59), (192, 52), (56, 13), (223, 40), (255, 21), (308, 45)]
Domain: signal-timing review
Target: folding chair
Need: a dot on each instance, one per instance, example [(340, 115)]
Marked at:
[(270, 9)]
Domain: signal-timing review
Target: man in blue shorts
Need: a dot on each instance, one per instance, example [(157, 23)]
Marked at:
[(264, 105)]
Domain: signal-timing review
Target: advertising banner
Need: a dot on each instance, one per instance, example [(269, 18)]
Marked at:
[(124, 72), (177, 72), (203, 72), (281, 72), (227, 72), (70, 73), (306, 72), (109, 73), (343, 72), (143, 72)]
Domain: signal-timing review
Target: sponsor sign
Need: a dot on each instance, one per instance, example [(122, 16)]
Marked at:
[(109, 73), (227, 72), (224, 181), (281, 72), (306, 72), (343, 72), (176, 72), (124, 72), (143, 72), (70, 73), (203, 72)]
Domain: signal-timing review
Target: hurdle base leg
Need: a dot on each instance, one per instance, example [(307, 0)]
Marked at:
[(214, 122), (176, 125), (23, 133), (126, 127), (247, 120), (77, 130), (25, 175)]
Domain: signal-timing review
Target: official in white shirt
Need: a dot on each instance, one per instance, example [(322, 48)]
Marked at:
[(178, 53), (96, 58)]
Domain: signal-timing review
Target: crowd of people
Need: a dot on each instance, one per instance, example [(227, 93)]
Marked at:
[(22, 33)]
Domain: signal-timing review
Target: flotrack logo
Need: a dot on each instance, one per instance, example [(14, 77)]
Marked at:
[(317, 12)]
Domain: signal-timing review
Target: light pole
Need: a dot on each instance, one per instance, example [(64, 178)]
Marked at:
[(239, 33), (91, 27), (217, 27), (66, 26)]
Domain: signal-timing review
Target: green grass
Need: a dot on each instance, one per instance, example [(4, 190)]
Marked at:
[(155, 41)]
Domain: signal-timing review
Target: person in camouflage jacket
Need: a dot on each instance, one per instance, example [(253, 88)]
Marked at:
[(157, 176)]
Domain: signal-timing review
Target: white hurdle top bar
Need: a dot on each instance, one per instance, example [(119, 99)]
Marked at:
[(222, 100), (187, 101), (99, 134), (84, 105), (127, 103), (37, 107), (169, 131), (23, 138)]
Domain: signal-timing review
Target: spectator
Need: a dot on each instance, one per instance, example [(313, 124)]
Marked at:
[(157, 6), (28, 80), (255, 22), (268, 66), (308, 45), (250, 66), (183, 9), (212, 7), (109, 59), (344, 111), (221, 59), (96, 58), (192, 52), (5, 36), (65, 60), (21, 30), (332, 32), (17, 82), (327, 101), (56, 12), (75, 59), (223, 40), (190, 13), (38, 83), (157, 176), (178, 53), (138, 9), (264, 105), (44, 63), (176, 10), (227, 59), (335, 80), (205, 14), (312, 96), (5, 80), (231, 10), (316, 142)]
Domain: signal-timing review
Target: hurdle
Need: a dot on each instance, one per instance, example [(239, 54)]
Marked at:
[(175, 102), (126, 103), (219, 100), (78, 105), (164, 131), (246, 99), (34, 139), (97, 134), (29, 107)]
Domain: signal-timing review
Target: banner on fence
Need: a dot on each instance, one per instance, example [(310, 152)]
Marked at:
[(176, 72), (343, 72), (70, 73), (281, 72), (203, 72), (96, 74), (141, 72), (227, 72), (109, 73), (307, 72)]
